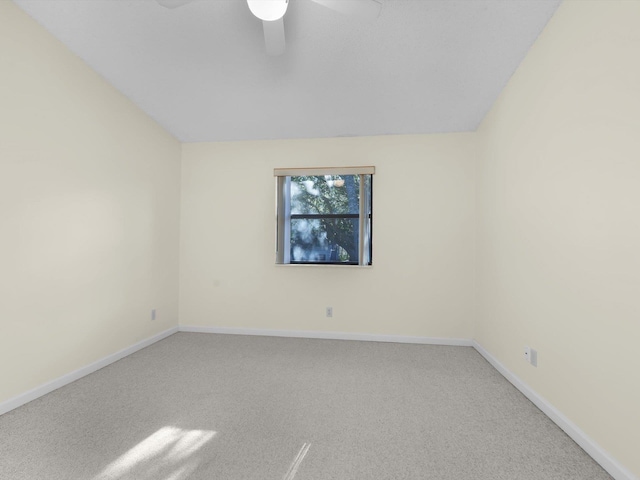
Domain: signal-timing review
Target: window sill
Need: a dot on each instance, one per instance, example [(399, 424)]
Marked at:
[(320, 265)]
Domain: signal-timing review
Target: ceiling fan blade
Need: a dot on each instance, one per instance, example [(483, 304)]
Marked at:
[(367, 9), (173, 3), (274, 36)]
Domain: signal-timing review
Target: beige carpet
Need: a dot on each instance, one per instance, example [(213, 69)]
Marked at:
[(201, 406)]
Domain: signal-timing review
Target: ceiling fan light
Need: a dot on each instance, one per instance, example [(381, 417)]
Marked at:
[(268, 10)]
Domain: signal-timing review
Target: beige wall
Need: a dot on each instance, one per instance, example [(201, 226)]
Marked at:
[(421, 281), (89, 202), (559, 217)]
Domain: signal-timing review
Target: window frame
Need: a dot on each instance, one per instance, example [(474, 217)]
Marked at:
[(284, 216)]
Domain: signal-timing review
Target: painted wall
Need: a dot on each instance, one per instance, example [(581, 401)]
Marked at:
[(89, 202), (559, 221), (421, 281)]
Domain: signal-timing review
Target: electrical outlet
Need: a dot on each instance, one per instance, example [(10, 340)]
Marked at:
[(153, 314), (531, 356), (329, 312)]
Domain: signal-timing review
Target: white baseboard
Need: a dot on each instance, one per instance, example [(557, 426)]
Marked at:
[(48, 387), (606, 461), (366, 337)]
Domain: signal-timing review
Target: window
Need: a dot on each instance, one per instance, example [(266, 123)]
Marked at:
[(324, 215)]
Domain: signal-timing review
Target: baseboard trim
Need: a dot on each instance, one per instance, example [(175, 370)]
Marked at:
[(48, 387), (606, 461), (366, 337)]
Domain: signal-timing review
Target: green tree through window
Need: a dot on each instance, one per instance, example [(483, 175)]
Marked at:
[(325, 218)]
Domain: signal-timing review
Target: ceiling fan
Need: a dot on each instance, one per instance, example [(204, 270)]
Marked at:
[(271, 12)]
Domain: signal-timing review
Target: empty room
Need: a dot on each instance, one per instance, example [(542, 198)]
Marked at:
[(319, 239)]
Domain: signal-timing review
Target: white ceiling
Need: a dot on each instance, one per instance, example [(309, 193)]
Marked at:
[(423, 66)]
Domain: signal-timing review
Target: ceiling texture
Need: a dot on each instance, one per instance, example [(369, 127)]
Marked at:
[(201, 71)]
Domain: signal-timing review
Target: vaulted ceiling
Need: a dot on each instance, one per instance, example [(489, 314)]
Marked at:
[(422, 66)]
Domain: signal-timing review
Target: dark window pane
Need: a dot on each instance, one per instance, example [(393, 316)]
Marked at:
[(324, 240)]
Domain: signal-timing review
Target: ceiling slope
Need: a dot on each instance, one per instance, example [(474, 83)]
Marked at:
[(423, 66)]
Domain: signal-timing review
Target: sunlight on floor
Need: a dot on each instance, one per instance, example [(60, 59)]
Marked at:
[(165, 455), (293, 468)]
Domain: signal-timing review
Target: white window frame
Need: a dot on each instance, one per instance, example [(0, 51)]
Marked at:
[(283, 213)]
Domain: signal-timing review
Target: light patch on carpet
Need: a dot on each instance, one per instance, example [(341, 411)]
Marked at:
[(165, 455), (293, 468)]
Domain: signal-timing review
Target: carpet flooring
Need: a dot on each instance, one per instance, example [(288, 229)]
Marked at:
[(203, 407)]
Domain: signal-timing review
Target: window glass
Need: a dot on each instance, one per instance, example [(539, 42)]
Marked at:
[(322, 219)]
